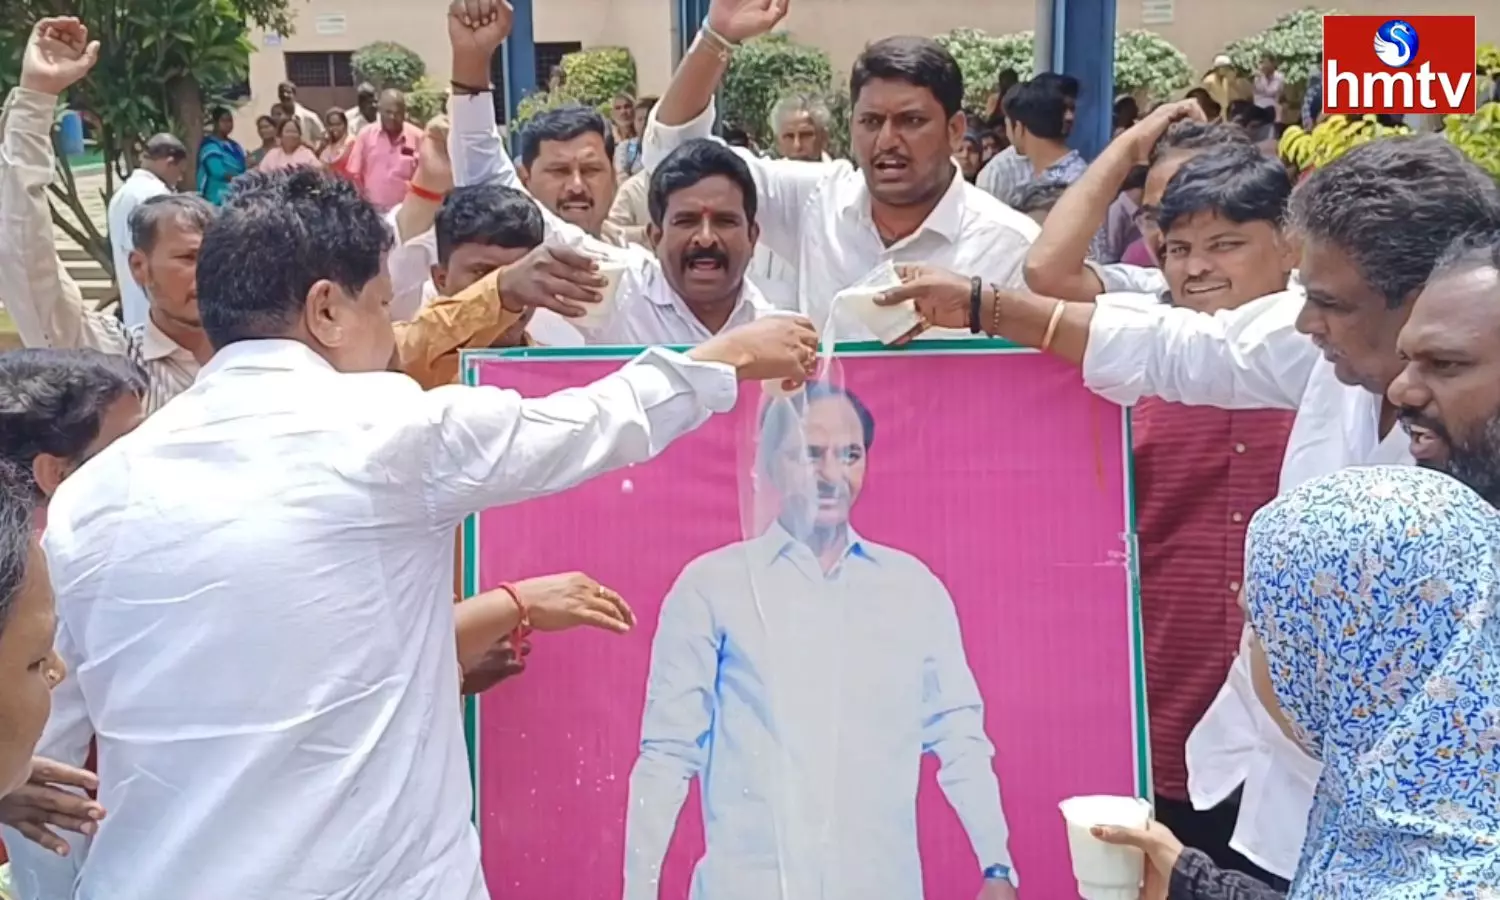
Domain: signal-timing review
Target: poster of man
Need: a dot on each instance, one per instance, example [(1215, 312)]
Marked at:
[(886, 625)]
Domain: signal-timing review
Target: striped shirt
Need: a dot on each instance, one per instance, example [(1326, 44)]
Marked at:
[(35, 287), (1200, 473)]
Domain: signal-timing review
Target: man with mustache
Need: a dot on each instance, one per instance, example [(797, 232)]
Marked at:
[(760, 658), (566, 165), (1449, 392), (1373, 224), (702, 202), (902, 200)]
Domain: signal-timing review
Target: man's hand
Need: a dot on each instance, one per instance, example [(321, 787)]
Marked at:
[(558, 278), (1144, 134), (477, 28), (559, 602), (434, 168), (43, 803), (774, 347), (1161, 846), (741, 20), (58, 56), (997, 889), (499, 663)]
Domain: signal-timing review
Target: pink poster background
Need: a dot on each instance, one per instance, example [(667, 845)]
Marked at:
[(998, 470)]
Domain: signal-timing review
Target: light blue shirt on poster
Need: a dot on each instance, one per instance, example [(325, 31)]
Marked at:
[(804, 704)]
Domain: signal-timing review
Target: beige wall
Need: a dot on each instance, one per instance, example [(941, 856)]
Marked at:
[(841, 27)]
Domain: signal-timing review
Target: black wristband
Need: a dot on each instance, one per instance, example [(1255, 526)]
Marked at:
[(468, 90), (976, 294)]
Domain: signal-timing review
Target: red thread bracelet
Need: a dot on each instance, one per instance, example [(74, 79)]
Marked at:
[(523, 627), (424, 194)]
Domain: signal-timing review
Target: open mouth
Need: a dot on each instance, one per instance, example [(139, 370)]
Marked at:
[(706, 263), (1426, 444), (575, 206), (890, 166)]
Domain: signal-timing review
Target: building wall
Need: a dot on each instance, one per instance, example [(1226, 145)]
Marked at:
[(841, 27)]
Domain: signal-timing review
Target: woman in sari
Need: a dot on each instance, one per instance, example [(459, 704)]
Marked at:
[(268, 130), (220, 158), (337, 142), (290, 151)]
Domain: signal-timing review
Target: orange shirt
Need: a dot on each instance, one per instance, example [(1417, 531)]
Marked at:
[(429, 345)]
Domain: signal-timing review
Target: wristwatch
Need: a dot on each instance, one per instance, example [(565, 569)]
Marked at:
[(999, 873)]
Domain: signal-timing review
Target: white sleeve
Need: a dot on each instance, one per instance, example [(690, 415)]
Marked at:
[(491, 447), (1251, 357)]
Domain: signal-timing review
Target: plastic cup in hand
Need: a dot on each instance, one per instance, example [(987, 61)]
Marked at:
[(598, 313), (775, 387), (1105, 871), (887, 323)]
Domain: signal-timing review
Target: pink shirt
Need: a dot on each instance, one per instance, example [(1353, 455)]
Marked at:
[(382, 166), (277, 158)]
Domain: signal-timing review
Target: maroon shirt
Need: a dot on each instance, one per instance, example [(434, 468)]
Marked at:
[(1200, 474)]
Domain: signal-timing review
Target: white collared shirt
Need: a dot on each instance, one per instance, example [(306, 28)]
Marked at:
[(141, 186), (804, 703), (647, 311), (256, 587), (410, 263), (817, 216), (1252, 357)]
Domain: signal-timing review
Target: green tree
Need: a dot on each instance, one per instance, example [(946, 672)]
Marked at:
[(1294, 40), (387, 64), (763, 71), (982, 57), (592, 77), (161, 63), (1148, 65)]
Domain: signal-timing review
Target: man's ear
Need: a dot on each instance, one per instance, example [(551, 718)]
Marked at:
[(653, 235), (138, 268), (525, 173), (323, 313), (439, 276), (48, 472), (958, 126)]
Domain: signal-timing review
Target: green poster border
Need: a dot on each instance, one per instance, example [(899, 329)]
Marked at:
[(468, 360)]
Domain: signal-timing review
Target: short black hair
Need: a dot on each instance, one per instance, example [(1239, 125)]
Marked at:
[(1037, 196), (1396, 206), (918, 61), (145, 221), (1069, 85), (277, 234), (564, 123), (1040, 106), (264, 120), (18, 507), (218, 112), (1189, 135), (164, 146), (689, 164), (336, 113), (1238, 183), (54, 401), (777, 419), (488, 214)]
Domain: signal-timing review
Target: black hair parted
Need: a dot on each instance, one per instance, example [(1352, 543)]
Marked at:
[(692, 162), (564, 123), (277, 234), (489, 214), (1239, 183), (918, 61), (1396, 206)]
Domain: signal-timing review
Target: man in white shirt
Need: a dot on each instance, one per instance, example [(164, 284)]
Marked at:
[(364, 111), (1373, 224), (905, 202), (274, 698), (159, 172), (704, 213), (801, 675), (800, 123), (310, 122)]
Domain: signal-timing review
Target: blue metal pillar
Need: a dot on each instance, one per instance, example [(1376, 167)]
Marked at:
[(519, 52), (688, 15), (1078, 37)]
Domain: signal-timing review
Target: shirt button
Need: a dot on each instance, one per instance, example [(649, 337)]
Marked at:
[(1239, 448), (1234, 586), (1237, 517)]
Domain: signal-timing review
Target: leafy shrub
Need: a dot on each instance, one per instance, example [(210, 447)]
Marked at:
[(386, 64), (1148, 66), (1478, 136), (1295, 40), (1489, 59), (762, 72), (426, 99), (594, 76), (531, 104), (982, 57)]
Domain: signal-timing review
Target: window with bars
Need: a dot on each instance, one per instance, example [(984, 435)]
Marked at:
[(550, 54), (320, 70)]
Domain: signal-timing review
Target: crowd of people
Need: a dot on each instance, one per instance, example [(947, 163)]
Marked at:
[(263, 472)]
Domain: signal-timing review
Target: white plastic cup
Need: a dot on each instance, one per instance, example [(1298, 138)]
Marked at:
[(775, 388), (1105, 871), (598, 313), (887, 323)]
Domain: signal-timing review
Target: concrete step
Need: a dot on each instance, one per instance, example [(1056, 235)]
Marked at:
[(70, 252), (87, 271), (97, 291)]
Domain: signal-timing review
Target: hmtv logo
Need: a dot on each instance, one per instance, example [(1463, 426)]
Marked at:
[(1412, 65)]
